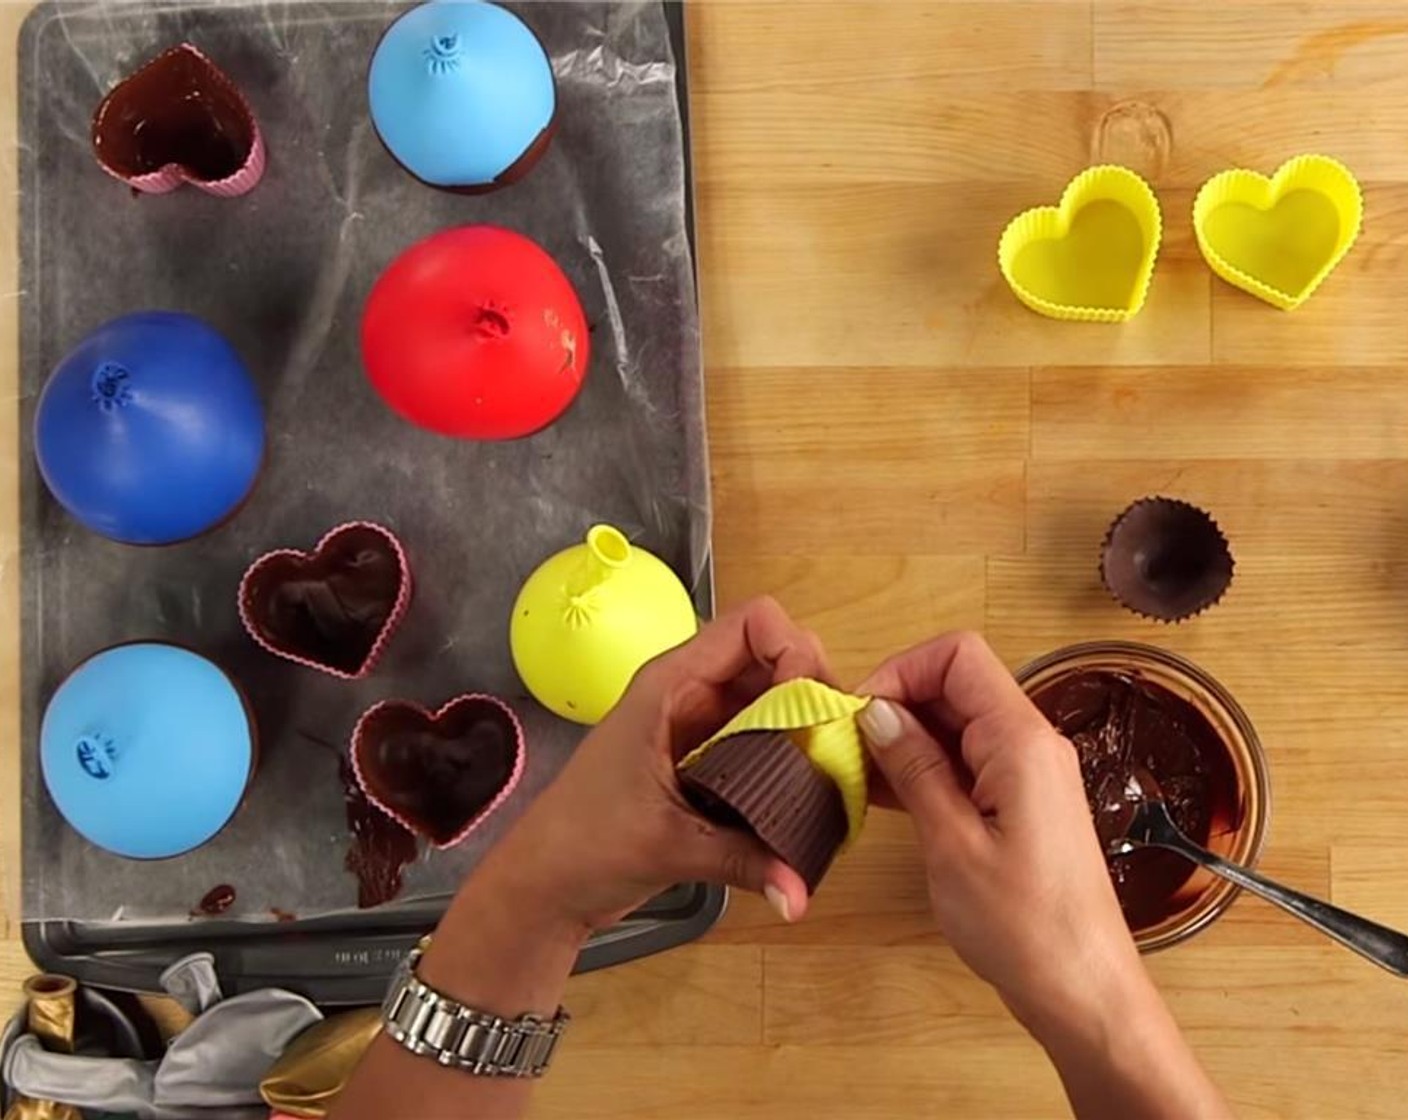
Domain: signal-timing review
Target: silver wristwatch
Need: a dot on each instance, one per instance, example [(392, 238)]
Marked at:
[(435, 1026)]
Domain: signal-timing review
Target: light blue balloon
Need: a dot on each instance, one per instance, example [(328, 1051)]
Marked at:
[(459, 91), (146, 750)]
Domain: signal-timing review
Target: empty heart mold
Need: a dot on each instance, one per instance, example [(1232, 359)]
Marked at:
[(1089, 258), (441, 774), (179, 119), (1278, 238), (334, 608)]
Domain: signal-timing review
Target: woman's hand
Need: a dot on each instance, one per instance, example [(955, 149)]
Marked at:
[(1017, 878), (613, 829)]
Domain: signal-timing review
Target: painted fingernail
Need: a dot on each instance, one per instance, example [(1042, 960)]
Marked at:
[(880, 722), (778, 901)]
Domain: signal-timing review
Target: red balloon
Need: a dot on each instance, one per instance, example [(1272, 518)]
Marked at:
[(475, 332)]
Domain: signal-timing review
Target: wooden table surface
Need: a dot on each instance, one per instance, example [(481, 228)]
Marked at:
[(899, 448)]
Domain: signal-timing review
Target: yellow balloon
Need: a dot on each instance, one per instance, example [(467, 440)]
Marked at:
[(592, 615)]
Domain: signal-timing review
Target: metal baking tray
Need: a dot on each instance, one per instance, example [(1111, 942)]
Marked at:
[(77, 270)]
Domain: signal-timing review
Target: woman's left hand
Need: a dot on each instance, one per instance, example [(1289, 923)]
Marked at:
[(613, 829)]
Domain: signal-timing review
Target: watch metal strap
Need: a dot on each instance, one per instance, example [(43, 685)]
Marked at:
[(434, 1026)]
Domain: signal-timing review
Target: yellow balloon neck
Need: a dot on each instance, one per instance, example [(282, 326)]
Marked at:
[(607, 552)]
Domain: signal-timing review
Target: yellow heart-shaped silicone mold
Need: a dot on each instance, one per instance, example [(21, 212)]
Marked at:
[(821, 721), (1278, 238), (1091, 257)]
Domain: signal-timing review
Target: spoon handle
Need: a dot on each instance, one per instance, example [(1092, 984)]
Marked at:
[(1385, 947)]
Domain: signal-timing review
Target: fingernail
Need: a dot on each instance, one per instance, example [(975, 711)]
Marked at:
[(880, 722), (778, 901)]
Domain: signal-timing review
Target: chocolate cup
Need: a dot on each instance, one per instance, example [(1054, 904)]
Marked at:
[(761, 781), (440, 774), (1166, 560), (179, 118), (332, 609)]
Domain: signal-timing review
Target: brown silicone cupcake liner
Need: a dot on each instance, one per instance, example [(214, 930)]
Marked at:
[(1166, 560), (761, 781)]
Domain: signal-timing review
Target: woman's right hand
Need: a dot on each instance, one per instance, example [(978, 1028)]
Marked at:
[(1017, 878), (1016, 875)]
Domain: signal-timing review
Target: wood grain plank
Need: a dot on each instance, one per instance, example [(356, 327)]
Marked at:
[(1221, 411), (863, 607), (958, 44), (910, 130), (818, 1082), (1277, 605), (15, 968), (1372, 879), (765, 491), (1290, 507), (920, 995), (760, 1083), (925, 132), (852, 413), (905, 275), (1265, 43), (894, 995), (1303, 1078), (950, 509), (700, 995), (1181, 137)]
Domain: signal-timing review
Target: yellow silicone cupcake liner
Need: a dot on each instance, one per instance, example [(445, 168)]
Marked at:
[(822, 723), (1279, 237), (1090, 258)]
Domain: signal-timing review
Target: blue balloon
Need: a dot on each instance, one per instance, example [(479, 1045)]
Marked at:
[(146, 750), (150, 431), (460, 90)]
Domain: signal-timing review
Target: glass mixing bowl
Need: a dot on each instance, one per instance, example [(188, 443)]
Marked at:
[(1202, 896)]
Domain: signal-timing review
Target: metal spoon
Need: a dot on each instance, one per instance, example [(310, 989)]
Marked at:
[(1146, 823)]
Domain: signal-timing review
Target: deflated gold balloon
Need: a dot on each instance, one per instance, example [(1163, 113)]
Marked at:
[(49, 1011), (316, 1066), (49, 1016)]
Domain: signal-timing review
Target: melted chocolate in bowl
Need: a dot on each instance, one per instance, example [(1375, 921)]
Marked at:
[(1118, 721)]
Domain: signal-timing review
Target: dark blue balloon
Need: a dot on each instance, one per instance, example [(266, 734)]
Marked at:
[(150, 431)]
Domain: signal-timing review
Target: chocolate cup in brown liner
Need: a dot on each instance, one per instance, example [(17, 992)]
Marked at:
[(1166, 559), (762, 782)]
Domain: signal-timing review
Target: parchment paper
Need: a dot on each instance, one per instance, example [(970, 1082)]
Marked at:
[(283, 272)]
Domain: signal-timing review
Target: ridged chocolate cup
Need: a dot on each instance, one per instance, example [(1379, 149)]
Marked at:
[(1166, 559), (762, 782)]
